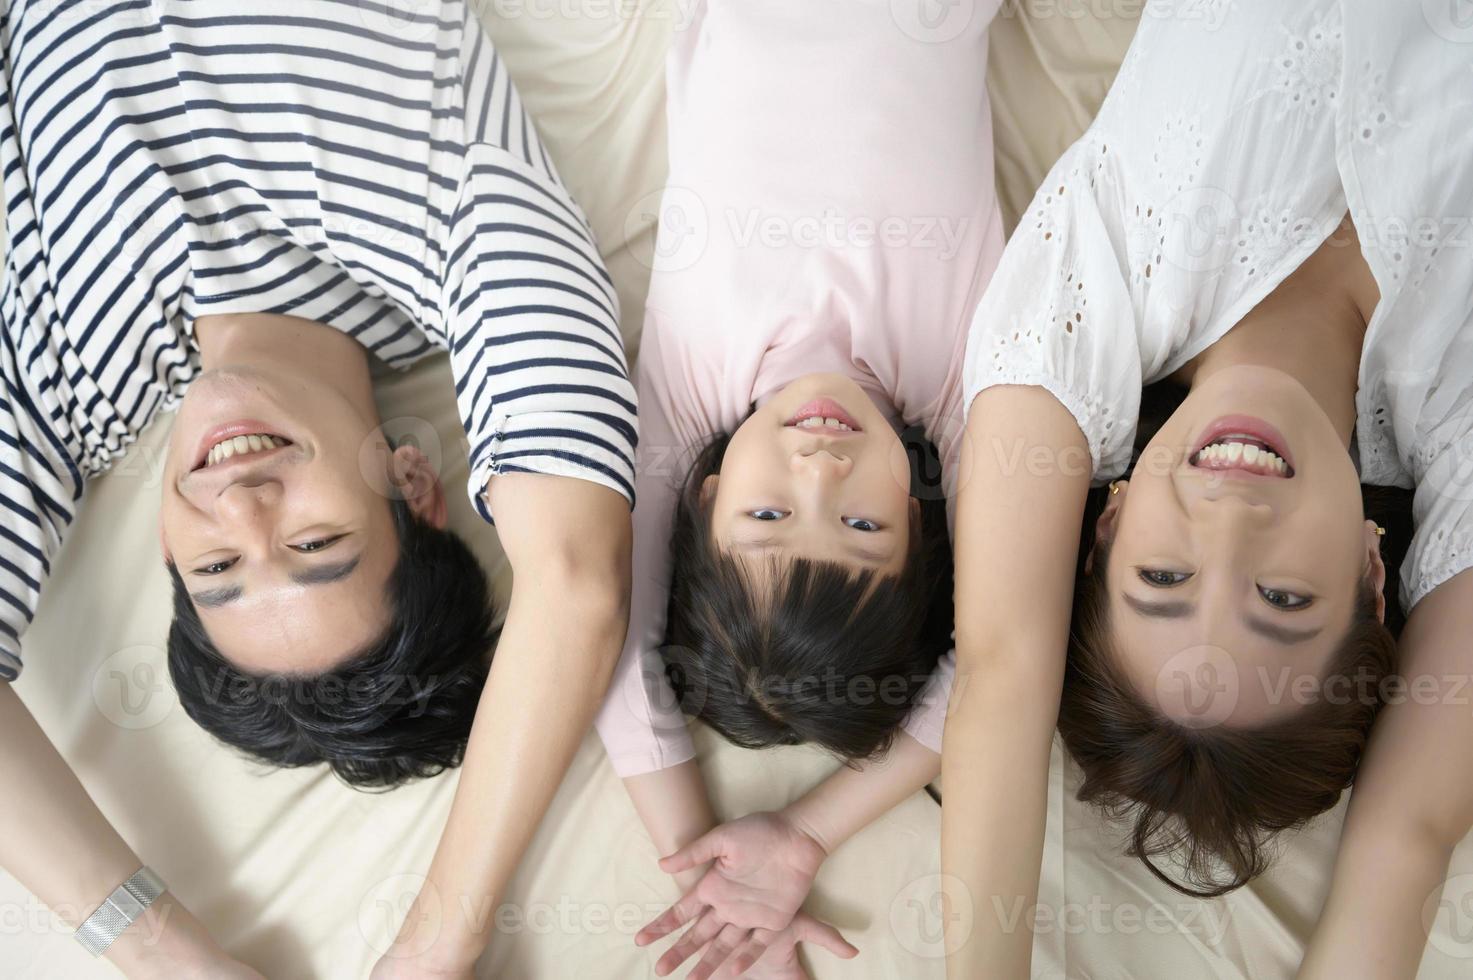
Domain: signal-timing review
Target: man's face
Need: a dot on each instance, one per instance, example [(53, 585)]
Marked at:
[(284, 543)]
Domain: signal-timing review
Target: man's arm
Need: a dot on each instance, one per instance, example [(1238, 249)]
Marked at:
[(568, 542), (1411, 806), (1017, 540), (60, 846)]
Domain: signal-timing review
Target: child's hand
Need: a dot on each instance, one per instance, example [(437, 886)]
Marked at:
[(762, 868)]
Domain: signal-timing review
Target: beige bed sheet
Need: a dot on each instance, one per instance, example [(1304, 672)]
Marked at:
[(304, 877)]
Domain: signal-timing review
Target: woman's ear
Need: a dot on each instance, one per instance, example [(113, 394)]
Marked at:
[(414, 478), (1376, 567), (708, 489), (1108, 521)]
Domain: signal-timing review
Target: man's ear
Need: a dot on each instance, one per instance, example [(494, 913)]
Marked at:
[(1108, 521), (708, 489), (1376, 568), (414, 478)]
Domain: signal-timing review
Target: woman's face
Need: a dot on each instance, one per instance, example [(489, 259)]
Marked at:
[(815, 473), (1236, 552)]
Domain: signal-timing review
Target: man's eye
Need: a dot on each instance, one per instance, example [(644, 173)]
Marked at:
[(766, 514), (215, 568), (1162, 579), (1280, 599), (861, 524)]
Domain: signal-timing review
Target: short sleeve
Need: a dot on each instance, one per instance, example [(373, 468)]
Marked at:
[(1058, 313), (1442, 511)]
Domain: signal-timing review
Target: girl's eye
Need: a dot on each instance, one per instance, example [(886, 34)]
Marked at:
[(766, 514), (860, 524), (1280, 599), (1162, 579), (215, 568)]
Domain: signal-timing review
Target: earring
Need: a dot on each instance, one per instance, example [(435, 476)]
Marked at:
[(1115, 488), (1380, 531)]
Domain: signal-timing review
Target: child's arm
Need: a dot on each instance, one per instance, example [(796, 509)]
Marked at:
[(1017, 541), (1411, 806)]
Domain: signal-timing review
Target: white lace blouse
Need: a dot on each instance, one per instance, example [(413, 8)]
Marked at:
[(1233, 141)]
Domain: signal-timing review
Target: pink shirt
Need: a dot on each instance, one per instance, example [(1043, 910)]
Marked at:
[(830, 207)]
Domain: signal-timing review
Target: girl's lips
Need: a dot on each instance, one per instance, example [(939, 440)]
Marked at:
[(240, 427), (823, 408), (1248, 426)]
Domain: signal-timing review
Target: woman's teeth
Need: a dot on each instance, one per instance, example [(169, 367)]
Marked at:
[(242, 445), (821, 422), (1238, 455)]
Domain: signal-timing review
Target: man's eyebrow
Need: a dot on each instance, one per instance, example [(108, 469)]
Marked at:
[(1159, 610), (1282, 634), (215, 598), (326, 574)]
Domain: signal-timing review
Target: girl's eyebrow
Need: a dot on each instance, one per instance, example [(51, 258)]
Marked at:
[(1159, 610)]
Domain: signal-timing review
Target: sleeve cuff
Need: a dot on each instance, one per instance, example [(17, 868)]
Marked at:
[(590, 447)]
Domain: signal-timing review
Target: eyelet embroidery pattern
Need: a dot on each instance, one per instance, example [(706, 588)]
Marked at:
[(1442, 557), (1307, 71), (1145, 237), (1178, 153), (1372, 118), (1264, 234)]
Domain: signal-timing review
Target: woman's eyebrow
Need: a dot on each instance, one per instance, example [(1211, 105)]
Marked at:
[(215, 598), (1159, 610), (326, 574)]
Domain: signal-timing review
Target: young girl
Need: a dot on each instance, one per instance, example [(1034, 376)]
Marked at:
[(827, 229), (1228, 651)]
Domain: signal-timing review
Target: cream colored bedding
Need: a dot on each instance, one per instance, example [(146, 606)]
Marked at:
[(304, 877)]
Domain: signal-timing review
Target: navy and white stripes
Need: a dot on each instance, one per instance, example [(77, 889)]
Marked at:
[(367, 167)]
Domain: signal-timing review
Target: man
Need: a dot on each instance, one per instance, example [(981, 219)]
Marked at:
[(226, 211)]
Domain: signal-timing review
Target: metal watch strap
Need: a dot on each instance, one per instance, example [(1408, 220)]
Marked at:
[(119, 910)]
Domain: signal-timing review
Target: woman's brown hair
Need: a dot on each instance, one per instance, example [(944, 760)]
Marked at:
[(1215, 798)]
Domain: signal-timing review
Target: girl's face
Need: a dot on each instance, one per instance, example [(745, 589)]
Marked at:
[(815, 473), (1236, 552)]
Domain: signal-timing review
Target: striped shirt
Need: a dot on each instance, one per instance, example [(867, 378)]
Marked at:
[(362, 166)]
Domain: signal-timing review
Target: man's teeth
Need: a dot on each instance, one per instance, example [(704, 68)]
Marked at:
[(1229, 454), (241, 445), (822, 422)]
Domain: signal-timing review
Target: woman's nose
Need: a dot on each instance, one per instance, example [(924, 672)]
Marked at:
[(242, 503)]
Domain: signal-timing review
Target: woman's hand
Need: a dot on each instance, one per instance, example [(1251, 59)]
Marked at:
[(762, 867)]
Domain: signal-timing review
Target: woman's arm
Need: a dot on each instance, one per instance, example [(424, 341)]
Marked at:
[(1411, 806), (1019, 510), (568, 543), (60, 846)]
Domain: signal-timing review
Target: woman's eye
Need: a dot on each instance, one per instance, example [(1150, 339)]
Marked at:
[(1280, 599), (307, 547), (215, 568), (860, 524), (1163, 579), (766, 514)]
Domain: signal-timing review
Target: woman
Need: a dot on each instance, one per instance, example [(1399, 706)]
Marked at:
[(827, 229), (1237, 563)]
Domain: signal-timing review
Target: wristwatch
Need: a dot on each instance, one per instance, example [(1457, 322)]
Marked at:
[(119, 911)]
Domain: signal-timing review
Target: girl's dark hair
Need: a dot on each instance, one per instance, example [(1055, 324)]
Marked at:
[(1216, 797), (819, 654), (399, 710)]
